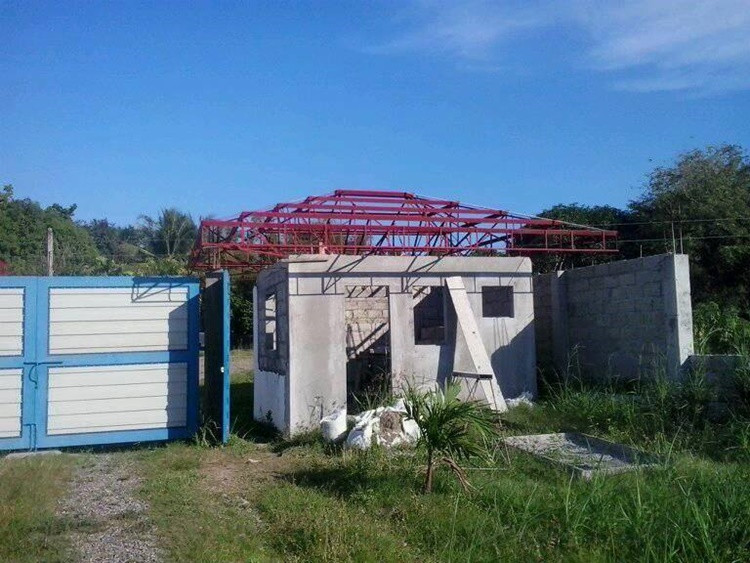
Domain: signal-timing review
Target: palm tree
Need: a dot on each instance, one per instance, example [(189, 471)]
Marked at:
[(170, 234), (452, 431)]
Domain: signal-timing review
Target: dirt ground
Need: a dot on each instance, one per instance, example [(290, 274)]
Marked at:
[(103, 495)]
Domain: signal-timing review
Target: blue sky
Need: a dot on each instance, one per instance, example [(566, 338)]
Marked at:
[(216, 107)]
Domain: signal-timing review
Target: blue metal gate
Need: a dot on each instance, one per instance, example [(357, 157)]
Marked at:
[(97, 361)]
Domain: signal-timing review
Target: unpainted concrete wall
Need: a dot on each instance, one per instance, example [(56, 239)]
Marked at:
[(317, 320), (367, 318), (623, 319)]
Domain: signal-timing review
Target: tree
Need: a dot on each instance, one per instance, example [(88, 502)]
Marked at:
[(122, 249), (170, 234), (701, 206), (23, 236), (106, 236), (452, 431), (7, 194)]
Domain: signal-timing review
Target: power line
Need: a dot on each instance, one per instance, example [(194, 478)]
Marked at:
[(685, 238), (676, 222)]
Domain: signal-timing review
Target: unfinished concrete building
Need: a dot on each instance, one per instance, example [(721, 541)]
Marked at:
[(383, 289), (330, 329)]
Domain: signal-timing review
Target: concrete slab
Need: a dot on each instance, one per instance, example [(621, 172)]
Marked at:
[(582, 455)]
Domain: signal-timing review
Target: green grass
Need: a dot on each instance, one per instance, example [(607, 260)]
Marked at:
[(299, 500), (261, 498), (195, 522), (367, 507), (29, 491)]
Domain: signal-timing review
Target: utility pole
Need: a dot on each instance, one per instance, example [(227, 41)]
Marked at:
[(50, 251)]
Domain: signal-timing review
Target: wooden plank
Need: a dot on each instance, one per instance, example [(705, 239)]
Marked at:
[(11, 409), (487, 388), (113, 320), (11, 396), (110, 398), (10, 378), (11, 299), (11, 329), (139, 425)]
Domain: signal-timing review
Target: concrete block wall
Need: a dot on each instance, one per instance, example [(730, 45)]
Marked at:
[(367, 318), (623, 319)]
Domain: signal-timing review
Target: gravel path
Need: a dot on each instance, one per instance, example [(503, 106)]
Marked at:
[(110, 522)]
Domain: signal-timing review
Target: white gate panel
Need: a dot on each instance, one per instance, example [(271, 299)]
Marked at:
[(111, 398), (10, 402), (112, 320), (11, 321)]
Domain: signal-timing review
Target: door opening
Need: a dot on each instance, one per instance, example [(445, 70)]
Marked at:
[(368, 346)]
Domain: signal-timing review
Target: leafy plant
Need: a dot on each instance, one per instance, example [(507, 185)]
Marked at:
[(741, 379), (241, 311), (452, 430), (720, 330)]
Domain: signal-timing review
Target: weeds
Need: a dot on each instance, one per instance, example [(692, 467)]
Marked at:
[(29, 490), (322, 504)]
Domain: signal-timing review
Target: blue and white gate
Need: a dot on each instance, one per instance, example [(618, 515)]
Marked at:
[(86, 360)]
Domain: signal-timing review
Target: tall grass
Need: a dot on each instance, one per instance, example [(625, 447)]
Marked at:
[(661, 414), (318, 504)]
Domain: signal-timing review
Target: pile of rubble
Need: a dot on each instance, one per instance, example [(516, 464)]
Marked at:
[(384, 426)]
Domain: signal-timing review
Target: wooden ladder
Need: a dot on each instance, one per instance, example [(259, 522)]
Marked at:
[(484, 387)]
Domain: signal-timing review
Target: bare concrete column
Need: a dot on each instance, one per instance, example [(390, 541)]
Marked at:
[(678, 309), (559, 314)]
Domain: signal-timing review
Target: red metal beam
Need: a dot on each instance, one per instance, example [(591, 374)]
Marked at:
[(388, 223)]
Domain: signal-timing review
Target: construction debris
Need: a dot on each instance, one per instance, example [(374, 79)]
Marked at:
[(384, 426)]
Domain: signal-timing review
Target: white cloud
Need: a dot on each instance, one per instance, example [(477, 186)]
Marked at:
[(671, 44), (646, 45), (467, 29)]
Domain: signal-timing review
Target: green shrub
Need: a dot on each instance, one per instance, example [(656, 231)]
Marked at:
[(720, 330)]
